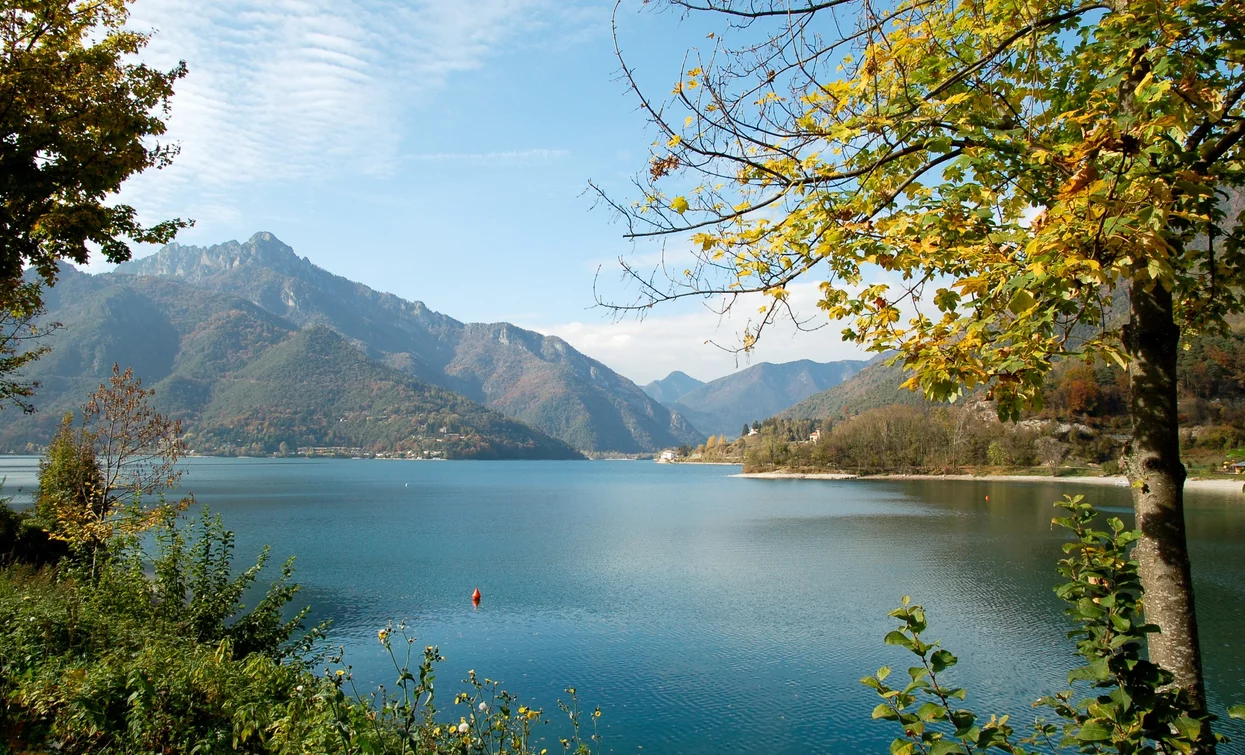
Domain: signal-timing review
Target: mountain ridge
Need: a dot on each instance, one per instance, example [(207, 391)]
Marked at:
[(537, 379), (193, 346), (759, 391), (672, 387)]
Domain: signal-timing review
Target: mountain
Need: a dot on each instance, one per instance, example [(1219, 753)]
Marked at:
[(315, 389), (672, 387), (539, 380), (245, 380), (876, 385), (760, 391)]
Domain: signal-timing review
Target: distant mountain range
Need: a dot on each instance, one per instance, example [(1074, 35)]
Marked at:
[(247, 381), (724, 405), (672, 387), (876, 385), (199, 323), (539, 380)]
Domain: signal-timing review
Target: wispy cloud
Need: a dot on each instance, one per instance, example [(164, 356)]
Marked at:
[(511, 156), (286, 90)]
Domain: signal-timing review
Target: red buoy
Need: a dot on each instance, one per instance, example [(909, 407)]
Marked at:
[(475, 596)]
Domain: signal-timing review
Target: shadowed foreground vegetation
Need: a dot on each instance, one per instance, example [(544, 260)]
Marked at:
[(157, 653)]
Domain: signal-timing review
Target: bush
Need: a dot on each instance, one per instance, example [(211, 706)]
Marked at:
[(128, 658), (1132, 707), (24, 541)]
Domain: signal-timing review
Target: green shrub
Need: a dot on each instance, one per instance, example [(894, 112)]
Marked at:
[(24, 541), (156, 652), (1127, 705)]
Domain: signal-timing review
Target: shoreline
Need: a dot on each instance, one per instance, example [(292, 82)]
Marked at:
[(706, 464), (1204, 485)]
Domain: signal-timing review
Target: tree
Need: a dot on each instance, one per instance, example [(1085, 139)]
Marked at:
[(20, 309), (974, 184), (1080, 390), (69, 478), (122, 449), (1051, 452), (78, 116)]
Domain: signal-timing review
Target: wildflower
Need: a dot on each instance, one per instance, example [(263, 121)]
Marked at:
[(340, 672), (299, 688), (522, 710), (482, 707), (436, 732), (383, 635), (463, 727)]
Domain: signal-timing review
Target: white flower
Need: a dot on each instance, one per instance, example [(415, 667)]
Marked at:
[(483, 707), (299, 688), (463, 728)]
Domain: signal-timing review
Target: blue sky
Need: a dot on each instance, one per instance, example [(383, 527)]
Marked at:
[(439, 150)]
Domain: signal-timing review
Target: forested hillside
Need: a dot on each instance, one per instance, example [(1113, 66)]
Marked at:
[(247, 381), (539, 380), (870, 424), (876, 385)]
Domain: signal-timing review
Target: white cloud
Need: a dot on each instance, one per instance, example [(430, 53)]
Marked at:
[(289, 90), (649, 349)]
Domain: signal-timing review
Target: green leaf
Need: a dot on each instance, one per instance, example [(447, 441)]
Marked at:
[(1188, 727), (942, 660), (931, 711), (1093, 732), (945, 747), (884, 711), (1236, 711), (1021, 302), (963, 720), (902, 747), (898, 638)]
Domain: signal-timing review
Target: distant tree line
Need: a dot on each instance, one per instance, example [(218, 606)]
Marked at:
[(1083, 419), (906, 439)]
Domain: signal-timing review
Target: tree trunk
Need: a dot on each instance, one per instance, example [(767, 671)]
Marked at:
[(1157, 477)]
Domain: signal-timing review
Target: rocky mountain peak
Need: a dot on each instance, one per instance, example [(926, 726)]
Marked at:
[(195, 263)]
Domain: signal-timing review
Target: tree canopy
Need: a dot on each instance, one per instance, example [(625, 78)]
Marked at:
[(79, 114), (974, 183), (1005, 168), (79, 117)]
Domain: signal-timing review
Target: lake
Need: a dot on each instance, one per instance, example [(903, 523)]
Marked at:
[(702, 613)]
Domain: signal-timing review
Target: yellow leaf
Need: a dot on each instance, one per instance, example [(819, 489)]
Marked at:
[(679, 205)]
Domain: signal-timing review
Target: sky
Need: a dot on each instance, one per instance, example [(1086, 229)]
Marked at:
[(440, 150)]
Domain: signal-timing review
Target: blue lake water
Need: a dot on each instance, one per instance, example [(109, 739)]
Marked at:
[(702, 613)]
